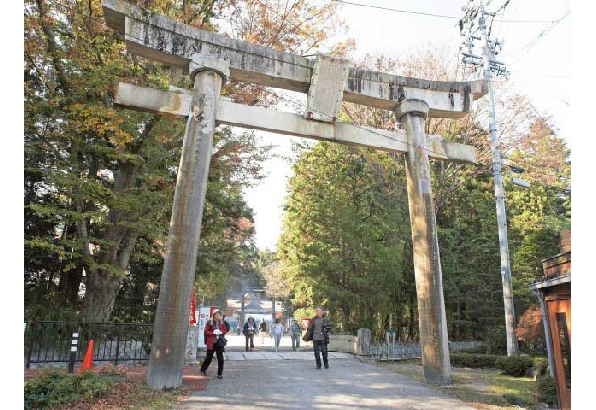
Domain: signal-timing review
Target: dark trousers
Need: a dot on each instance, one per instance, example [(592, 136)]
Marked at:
[(220, 360), (320, 347), (252, 344), (295, 341)]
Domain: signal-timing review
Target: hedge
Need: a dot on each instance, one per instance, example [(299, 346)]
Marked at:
[(514, 365), (473, 360)]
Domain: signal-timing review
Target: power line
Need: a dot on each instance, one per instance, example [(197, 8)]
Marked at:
[(432, 14), (512, 17), (394, 10), (538, 37), (542, 90)]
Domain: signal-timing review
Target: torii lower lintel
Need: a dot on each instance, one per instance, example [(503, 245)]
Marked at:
[(177, 104)]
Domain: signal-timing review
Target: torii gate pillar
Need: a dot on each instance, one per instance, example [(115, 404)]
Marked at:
[(178, 275), (427, 261)]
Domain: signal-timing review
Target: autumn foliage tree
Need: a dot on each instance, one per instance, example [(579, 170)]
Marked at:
[(530, 329), (99, 180)]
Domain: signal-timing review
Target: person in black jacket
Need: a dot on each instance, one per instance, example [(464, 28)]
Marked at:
[(249, 330), (318, 332), (296, 332)]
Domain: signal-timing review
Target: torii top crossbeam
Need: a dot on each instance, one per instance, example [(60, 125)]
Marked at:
[(165, 40)]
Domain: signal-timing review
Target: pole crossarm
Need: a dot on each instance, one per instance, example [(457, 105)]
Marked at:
[(156, 37), (178, 104)]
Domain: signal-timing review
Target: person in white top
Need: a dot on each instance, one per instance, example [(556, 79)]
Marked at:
[(277, 330)]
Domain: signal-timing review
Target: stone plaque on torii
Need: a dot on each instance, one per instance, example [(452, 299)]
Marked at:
[(210, 59)]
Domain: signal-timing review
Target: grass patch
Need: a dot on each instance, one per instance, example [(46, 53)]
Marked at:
[(481, 388)]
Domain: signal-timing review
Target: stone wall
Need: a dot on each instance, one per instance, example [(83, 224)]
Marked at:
[(342, 343), (404, 351)]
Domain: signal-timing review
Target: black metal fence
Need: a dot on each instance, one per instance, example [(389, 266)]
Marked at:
[(50, 342)]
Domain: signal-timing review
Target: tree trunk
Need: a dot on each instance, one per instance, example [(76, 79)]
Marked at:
[(102, 284), (102, 289), (70, 282)]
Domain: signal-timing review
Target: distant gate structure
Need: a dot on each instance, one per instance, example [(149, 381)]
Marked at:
[(210, 59)]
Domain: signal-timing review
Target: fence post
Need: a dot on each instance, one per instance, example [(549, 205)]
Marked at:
[(73, 351), (30, 352), (117, 349)]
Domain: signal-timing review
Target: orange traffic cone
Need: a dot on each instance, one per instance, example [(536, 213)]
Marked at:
[(88, 360)]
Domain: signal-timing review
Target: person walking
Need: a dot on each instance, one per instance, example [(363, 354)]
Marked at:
[(296, 332), (277, 331), (262, 331), (250, 327), (215, 331), (318, 332)]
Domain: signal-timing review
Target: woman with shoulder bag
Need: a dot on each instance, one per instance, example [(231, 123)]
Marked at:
[(215, 331)]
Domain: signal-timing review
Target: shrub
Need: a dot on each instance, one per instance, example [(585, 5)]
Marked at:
[(547, 390), (540, 365), (514, 365), (53, 388), (473, 360)]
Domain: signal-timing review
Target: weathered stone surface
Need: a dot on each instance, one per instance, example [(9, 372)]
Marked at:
[(427, 259), (171, 318), (165, 40), (325, 93), (192, 344), (343, 343), (178, 104), (446, 99), (364, 337)]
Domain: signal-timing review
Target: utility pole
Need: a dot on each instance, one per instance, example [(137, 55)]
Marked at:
[(475, 14)]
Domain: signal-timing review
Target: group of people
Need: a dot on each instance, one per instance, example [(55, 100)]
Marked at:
[(277, 330), (216, 329)]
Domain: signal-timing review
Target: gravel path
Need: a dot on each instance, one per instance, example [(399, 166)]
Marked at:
[(297, 384)]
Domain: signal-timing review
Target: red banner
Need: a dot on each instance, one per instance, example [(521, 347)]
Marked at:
[(193, 317)]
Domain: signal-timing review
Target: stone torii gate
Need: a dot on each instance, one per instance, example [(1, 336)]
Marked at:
[(211, 59)]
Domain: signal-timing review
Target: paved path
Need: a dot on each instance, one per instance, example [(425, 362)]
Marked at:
[(298, 385), (282, 355)]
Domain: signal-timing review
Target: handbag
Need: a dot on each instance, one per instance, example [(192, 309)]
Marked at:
[(221, 342)]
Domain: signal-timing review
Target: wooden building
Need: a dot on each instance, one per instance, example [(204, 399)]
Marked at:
[(554, 292)]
